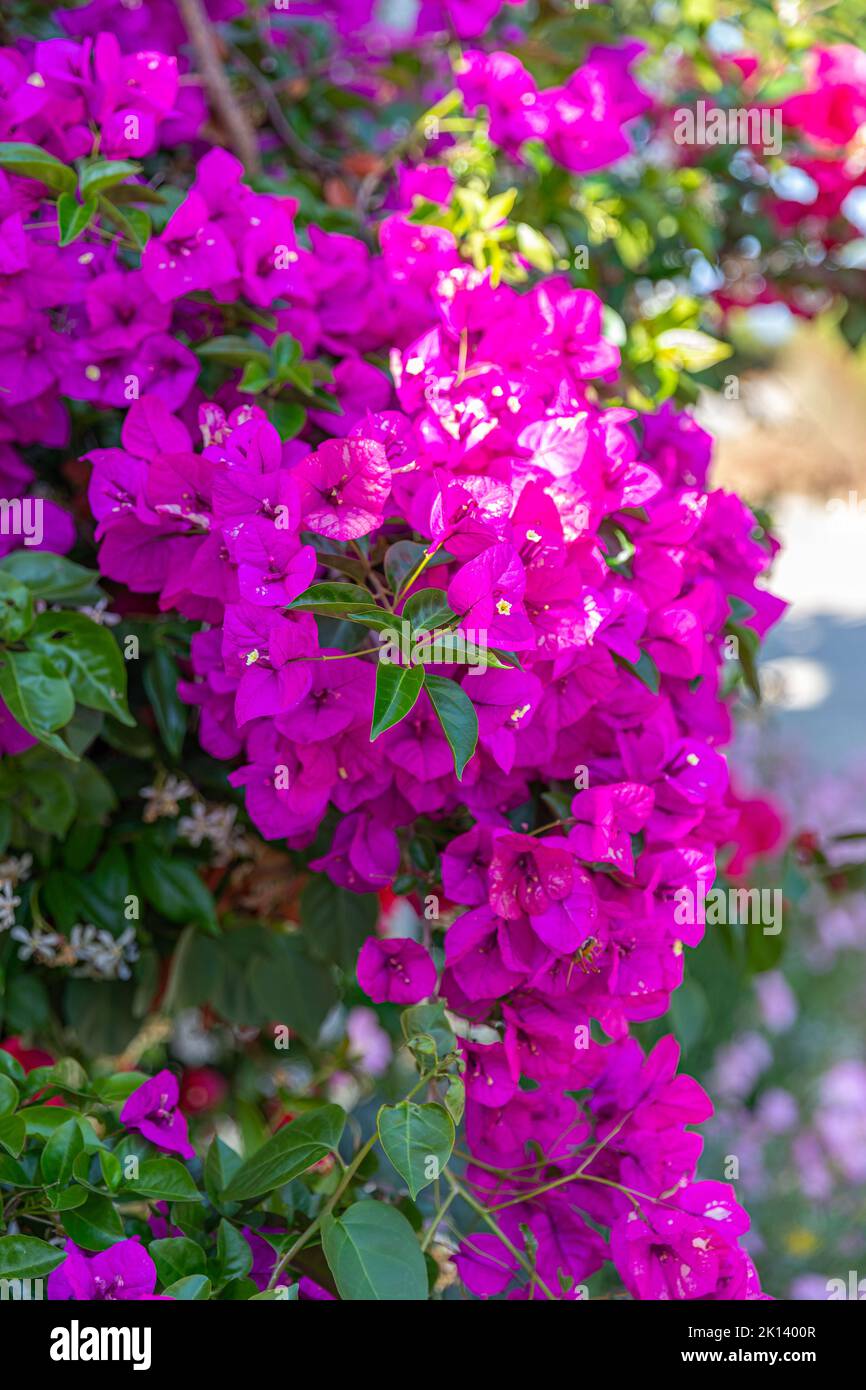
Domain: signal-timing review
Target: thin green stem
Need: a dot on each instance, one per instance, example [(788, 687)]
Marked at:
[(487, 1218), (437, 1218)]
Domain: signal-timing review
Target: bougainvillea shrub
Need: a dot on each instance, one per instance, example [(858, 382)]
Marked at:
[(370, 637)]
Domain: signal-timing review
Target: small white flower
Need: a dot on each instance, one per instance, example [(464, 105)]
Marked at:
[(164, 799), (8, 904), (39, 944), (16, 869), (98, 613), (101, 955)]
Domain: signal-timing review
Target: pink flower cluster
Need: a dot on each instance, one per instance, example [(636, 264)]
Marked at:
[(829, 113), (564, 533), (574, 540), (55, 92), (76, 321), (581, 122)]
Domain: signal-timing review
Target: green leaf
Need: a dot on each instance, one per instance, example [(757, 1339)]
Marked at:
[(89, 658), (110, 1168), (220, 1167), (61, 1151), (101, 174), (16, 607), (428, 609), (13, 1132), (234, 1255), (535, 248), (114, 1090), (95, 1225), (373, 1255), (195, 1288), (397, 691), (691, 350), (11, 1067), (404, 557), (25, 1257), (337, 601), (66, 1198), (287, 417), (12, 1174), (430, 1019), (418, 1140), (176, 1258), (38, 696), (160, 676), (336, 922), (73, 218), (288, 1153), (455, 1098), (52, 577), (285, 353), (255, 379), (46, 799), (457, 716), (401, 560), (134, 223), (31, 162), (234, 351), (164, 1180), (8, 1096), (43, 1121), (174, 887)]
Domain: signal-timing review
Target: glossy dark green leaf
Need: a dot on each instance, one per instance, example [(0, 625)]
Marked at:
[(160, 676), (38, 696), (457, 716), (32, 162), (88, 656), (12, 1134), (164, 1179), (173, 886), (51, 576), (196, 1288), (16, 608), (374, 1255), (428, 609), (288, 1153), (95, 1225), (397, 691), (101, 174), (73, 218), (25, 1257), (234, 1256), (418, 1140), (60, 1152), (8, 1096), (176, 1258)]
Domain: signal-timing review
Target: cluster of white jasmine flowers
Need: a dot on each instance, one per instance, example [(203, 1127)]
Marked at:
[(13, 871), (101, 956), (216, 824)]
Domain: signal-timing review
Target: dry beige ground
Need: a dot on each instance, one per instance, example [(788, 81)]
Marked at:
[(800, 428)]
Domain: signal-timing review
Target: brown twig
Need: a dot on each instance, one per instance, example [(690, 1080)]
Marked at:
[(204, 43)]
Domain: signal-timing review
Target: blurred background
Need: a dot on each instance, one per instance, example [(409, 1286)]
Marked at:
[(784, 1055)]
